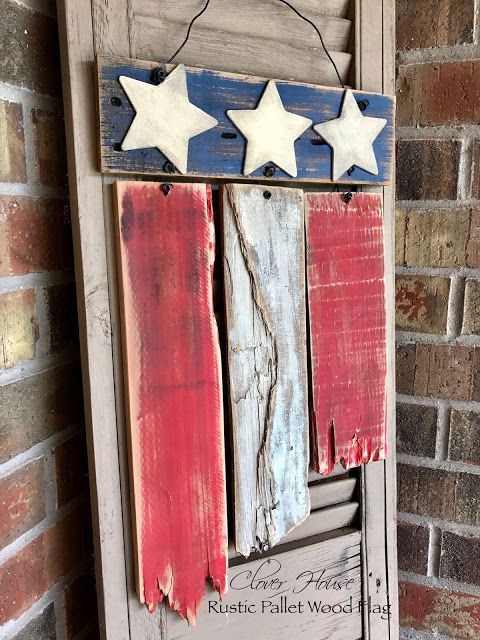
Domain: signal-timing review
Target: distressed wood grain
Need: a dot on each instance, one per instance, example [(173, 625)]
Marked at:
[(217, 158), (345, 273), (244, 37), (335, 559), (174, 391), (266, 344)]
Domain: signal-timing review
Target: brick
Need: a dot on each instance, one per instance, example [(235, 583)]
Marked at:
[(436, 493), (421, 304), (437, 93), (441, 371), (52, 555), (29, 45), (464, 444), (434, 610), (35, 235), (473, 246), (416, 430), (80, 600), (50, 147), (436, 238), (471, 310), (43, 627), (18, 328), (37, 407), (405, 368), (71, 469), (460, 558), (400, 233), (423, 24), (430, 159), (22, 501), (476, 170), (418, 491), (62, 316), (12, 149), (412, 544), (467, 505)]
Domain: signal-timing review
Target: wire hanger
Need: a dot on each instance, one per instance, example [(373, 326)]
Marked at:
[(285, 2)]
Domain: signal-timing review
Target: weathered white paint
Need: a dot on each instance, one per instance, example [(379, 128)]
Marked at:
[(165, 118), (270, 131), (265, 309), (337, 559), (351, 137)]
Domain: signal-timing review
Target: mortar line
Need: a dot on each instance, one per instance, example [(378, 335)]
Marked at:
[(434, 550), (11, 284), (460, 405), (445, 584), (39, 449), (444, 525), (438, 465), (443, 433)]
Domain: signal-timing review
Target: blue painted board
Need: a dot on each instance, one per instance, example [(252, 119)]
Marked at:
[(214, 157)]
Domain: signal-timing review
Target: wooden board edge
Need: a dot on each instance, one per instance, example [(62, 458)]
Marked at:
[(135, 482), (103, 60), (375, 70), (85, 189)]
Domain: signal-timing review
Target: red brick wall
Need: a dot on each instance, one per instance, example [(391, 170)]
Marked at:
[(46, 580), (438, 317)]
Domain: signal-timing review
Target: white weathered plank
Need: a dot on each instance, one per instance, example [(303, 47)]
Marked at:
[(326, 494), (266, 350), (337, 558), (243, 38)]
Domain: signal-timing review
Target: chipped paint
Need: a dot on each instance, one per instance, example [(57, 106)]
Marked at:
[(345, 273), (173, 380)]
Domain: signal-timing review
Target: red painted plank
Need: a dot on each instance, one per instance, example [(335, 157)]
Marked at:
[(173, 379), (345, 271)]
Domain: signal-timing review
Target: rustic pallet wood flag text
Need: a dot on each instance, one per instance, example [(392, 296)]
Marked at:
[(174, 391), (264, 270), (345, 274), (265, 129)]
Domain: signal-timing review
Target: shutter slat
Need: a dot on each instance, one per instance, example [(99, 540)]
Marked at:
[(332, 493)]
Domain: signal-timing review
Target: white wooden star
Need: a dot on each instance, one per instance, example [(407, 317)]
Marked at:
[(165, 118), (270, 131), (351, 137)]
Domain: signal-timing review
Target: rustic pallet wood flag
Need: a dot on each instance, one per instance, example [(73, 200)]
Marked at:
[(174, 391), (264, 270), (219, 125), (345, 274)]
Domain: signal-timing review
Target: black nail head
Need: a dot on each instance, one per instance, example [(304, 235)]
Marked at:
[(269, 171), (363, 104), (117, 146), (347, 197), (228, 135), (158, 74), (267, 195), (318, 142), (168, 167), (165, 188), (115, 101), (350, 171)]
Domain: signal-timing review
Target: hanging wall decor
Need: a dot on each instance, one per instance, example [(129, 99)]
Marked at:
[(179, 120), (174, 391), (345, 275), (265, 300)]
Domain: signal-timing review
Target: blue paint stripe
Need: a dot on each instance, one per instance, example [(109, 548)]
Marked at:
[(212, 155)]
